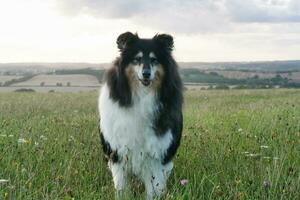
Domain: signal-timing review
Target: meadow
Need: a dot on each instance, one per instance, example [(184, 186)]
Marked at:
[(237, 144)]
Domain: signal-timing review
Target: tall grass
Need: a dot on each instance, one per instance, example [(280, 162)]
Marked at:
[(241, 144)]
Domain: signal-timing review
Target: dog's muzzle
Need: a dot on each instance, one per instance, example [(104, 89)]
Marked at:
[(146, 76)]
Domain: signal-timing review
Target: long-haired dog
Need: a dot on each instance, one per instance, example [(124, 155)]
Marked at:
[(140, 107)]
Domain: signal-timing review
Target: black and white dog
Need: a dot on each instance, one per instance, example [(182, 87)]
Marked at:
[(140, 109)]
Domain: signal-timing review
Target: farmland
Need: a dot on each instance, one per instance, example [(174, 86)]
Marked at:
[(53, 80), (237, 144), (8, 78)]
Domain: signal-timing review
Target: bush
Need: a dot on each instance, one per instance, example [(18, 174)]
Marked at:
[(222, 87), (24, 90)]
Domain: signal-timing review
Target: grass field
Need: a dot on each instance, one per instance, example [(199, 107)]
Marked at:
[(52, 80), (237, 144)]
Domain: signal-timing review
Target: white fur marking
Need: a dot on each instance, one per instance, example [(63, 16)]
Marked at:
[(152, 55), (139, 54), (129, 131)]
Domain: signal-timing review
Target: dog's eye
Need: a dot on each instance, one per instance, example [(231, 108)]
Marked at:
[(154, 61), (137, 60)]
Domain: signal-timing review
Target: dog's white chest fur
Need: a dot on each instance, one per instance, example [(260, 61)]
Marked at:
[(130, 131)]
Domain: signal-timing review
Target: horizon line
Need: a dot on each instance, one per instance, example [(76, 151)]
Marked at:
[(86, 62)]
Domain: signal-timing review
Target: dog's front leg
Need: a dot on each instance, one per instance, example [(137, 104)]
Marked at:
[(119, 178), (155, 179)]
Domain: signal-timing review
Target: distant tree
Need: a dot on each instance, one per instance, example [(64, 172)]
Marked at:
[(68, 84), (0, 84), (13, 81), (241, 87), (214, 73), (59, 84), (222, 87), (42, 84)]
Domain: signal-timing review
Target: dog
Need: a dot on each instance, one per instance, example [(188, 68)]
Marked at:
[(140, 106)]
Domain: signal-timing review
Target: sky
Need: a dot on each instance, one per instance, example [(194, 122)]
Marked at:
[(203, 30)]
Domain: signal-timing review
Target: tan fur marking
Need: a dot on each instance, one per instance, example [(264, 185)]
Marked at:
[(130, 73), (158, 77)]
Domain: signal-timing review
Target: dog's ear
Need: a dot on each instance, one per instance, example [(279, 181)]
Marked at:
[(165, 41), (126, 39)]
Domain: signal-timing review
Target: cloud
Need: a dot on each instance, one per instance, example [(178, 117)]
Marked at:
[(264, 11), (178, 16), (193, 16)]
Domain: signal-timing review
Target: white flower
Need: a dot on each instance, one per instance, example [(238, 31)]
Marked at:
[(71, 139), (3, 181), (253, 155), (184, 182), (240, 130), (23, 141), (43, 137), (264, 146)]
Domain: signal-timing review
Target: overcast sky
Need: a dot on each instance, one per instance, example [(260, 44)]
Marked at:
[(204, 30)]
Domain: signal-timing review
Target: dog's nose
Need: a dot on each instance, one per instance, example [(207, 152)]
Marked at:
[(146, 73)]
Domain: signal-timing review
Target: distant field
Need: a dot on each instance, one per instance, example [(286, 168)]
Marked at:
[(294, 76), (243, 75), (8, 78), (52, 80), (46, 89), (237, 144)]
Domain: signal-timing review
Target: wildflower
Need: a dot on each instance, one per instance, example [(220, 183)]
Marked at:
[(240, 130), (266, 184), (264, 146), (254, 155), (237, 181), (11, 136), (43, 137), (266, 157), (71, 138), (23, 141), (3, 181), (184, 182)]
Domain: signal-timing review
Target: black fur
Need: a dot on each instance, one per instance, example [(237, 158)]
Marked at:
[(169, 115), (109, 154)]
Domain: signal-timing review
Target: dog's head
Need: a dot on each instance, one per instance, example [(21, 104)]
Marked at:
[(144, 60)]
